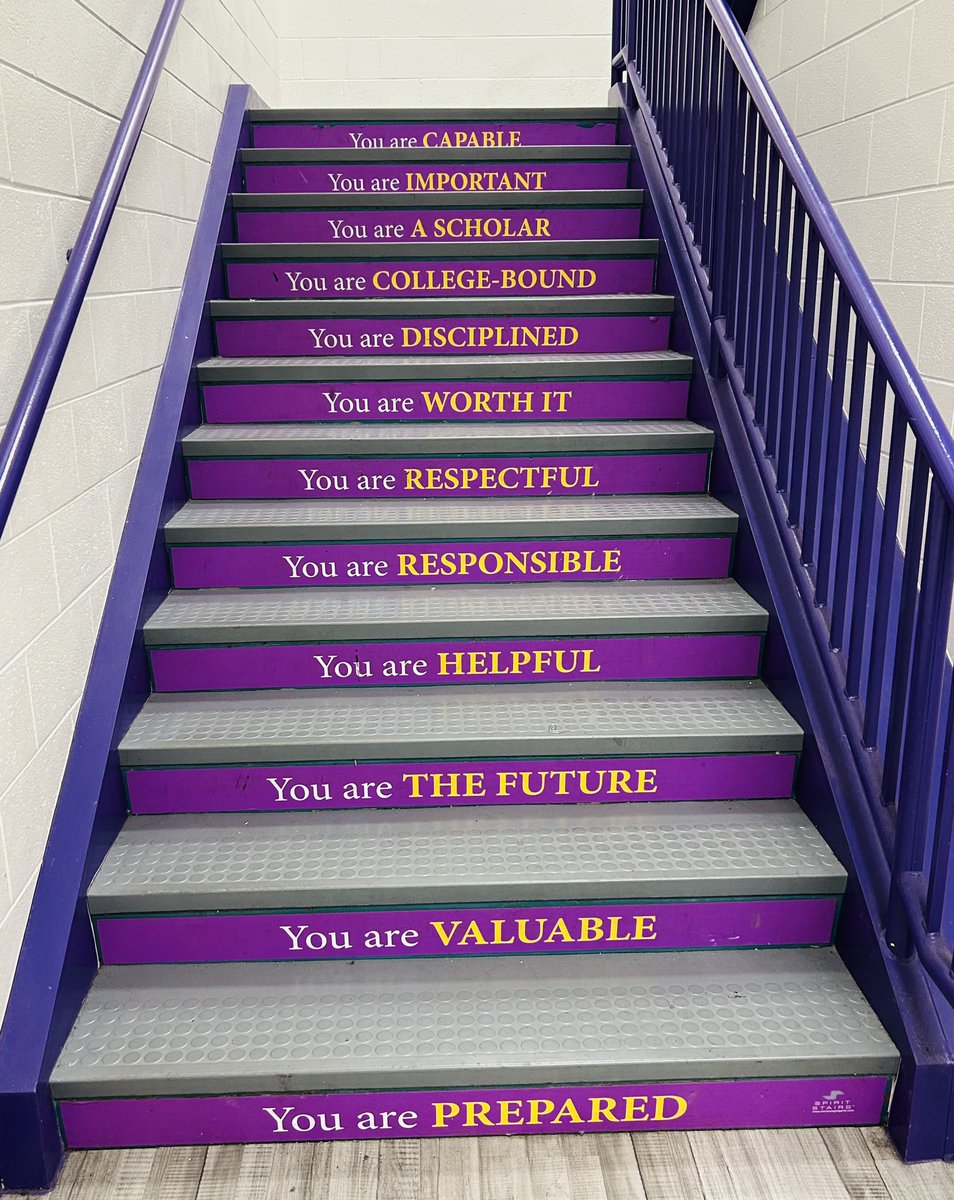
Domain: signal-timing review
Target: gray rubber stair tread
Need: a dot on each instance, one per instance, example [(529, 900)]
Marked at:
[(629, 304), (634, 363), (442, 438), (398, 116), (468, 1022), (436, 154), (226, 616), (352, 201), (218, 521), (394, 251), (458, 722), (463, 856)]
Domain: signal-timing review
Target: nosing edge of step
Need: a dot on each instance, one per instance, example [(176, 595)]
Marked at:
[(371, 369), (289, 201), (625, 248)]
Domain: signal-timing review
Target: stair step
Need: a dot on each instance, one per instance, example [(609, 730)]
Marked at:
[(496, 458), (213, 441), (307, 269), (235, 1053), (623, 366), (641, 385), (544, 879), (488, 856), (308, 543), (462, 217), (277, 615), (393, 128), (380, 637), (459, 723), (436, 169), (542, 323)]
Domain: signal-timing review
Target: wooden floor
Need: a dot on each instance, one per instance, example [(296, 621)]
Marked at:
[(836, 1164)]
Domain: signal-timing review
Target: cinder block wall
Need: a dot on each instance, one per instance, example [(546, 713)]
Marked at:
[(430, 52), (868, 86), (66, 71)]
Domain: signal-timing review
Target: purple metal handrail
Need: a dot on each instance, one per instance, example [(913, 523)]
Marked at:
[(863, 462), (31, 403)]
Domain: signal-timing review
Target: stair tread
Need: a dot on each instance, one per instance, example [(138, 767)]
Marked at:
[(396, 116), (436, 154), (618, 304), (573, 248), (456, 610), (344, 520), (509, 366), (465, 855), (417, 1023), (421, 723), (458, 438), (353, 201)]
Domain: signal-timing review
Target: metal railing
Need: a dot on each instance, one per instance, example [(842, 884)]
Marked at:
[(31, 403), (862, 461)]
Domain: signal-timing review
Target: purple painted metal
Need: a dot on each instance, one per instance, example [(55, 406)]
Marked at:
[(34, 396), (769, 334), (58, 957)]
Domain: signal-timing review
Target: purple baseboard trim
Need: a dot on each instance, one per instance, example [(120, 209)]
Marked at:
[(377, 280), (450, 400), (57, 958), (623, 927), (436, 225), (612, 1108), (432, 177), (462, 135), (498, 660), (344, 565), (316, 337), (297, 787), (425, 478)]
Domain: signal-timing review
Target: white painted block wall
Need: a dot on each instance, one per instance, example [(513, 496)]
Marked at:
[(66, 71), (451, 53), (868, 86)]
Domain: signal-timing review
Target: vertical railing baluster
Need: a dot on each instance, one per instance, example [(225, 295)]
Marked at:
[(694, 113), (901, 674), (927, 683), (848, 515), (802, 339), (830, 499), (811, 423), (884, 635), (711, 160), (773, 407), (769, 286), (942, 854), (756, 328), (857, 649)]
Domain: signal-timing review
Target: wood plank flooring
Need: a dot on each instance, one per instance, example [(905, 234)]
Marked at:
[(786, 1164)]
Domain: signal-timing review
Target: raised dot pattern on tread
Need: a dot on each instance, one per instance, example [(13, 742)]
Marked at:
[(756, 839)]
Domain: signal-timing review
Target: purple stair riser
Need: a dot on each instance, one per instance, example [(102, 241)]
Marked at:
[(447, 400), (428, 178), (430, 134), (407, 663), (368, 478), (444, 225), (460, 932), (317, 336), (411, 563), (612, 1108), (386, 280), (318, 786)]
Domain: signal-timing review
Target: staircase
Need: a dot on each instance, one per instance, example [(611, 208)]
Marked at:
[(455, 675)]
